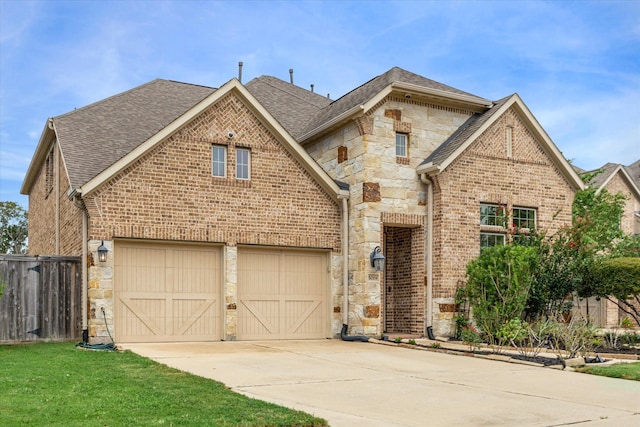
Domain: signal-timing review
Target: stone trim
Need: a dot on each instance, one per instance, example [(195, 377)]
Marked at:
[(394, 218)]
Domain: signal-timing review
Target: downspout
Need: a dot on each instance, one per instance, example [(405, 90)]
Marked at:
[(345, 277), (77, 201), (427, 181)]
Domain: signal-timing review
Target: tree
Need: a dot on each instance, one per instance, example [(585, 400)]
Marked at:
[(567, 259), (13, 225), (618, 280)]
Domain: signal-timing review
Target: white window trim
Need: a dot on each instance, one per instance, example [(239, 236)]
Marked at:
[(535, 216), (406, 144), (224, 163), (248, 165)]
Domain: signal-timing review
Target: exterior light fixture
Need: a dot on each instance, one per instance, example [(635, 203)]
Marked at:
[(377, 259), (102, 252)]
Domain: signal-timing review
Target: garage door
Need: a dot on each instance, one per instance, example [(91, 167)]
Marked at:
[(166, 292), (282, 294)]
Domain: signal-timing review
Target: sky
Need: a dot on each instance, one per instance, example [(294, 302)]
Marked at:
[(576, 64)]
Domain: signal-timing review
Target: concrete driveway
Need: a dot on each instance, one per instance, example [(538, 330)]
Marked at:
[(365, 384)]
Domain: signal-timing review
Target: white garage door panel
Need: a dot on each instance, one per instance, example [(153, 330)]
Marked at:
[(166, 292), (282, 294)]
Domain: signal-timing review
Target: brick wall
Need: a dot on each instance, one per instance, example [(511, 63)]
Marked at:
[(619, 185), (171, 193), (48, 203), (484, 173), (403, 283)]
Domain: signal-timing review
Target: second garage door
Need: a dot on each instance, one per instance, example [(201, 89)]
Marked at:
[(282, 294)]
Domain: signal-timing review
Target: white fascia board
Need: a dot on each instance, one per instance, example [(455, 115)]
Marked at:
[(39, 155), (428, 168), (626, 176), (291, 144), (477, 133), (354, 111), (556, 155), (467, 99), (184, 119)]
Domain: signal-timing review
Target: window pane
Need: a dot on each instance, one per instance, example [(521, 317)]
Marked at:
[(524, 218), (492, 215), (491, 239), (219, 160), (401, 145), (242, 163)]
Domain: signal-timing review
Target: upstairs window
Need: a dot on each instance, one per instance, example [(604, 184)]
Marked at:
[(401, 145), (243, 163), (524, 218), (49, 171), (219, 161), (492, 215)]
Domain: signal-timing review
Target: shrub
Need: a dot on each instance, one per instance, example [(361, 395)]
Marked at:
[(618, 280), (471, 337), (568, 340), (498, 286)]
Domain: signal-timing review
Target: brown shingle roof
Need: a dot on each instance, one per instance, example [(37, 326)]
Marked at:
[(94, 137), (634, 172), (367, 91), (602, 177), (462, 134), (292, 106)]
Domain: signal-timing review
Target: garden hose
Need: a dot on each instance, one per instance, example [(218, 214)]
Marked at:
[(100, 347)]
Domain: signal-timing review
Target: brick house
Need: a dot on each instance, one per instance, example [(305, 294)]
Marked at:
[(615, 178), (227, 212)]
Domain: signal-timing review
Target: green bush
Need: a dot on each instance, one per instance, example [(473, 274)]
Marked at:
[(498, 286), (619, 278)]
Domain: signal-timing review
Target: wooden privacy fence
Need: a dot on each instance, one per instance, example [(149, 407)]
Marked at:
[(41, 298)]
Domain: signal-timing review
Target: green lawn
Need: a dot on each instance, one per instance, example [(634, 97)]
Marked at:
[(627, 371), (56, 384)]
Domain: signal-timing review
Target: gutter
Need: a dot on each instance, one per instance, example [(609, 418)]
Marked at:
[(77, 202), (421, 90), (345, 277), (429, 252)]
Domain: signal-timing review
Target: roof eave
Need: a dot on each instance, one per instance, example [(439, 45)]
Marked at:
[(411, 88), (42, 149), (626, 176), (350, 113), (428, 168)]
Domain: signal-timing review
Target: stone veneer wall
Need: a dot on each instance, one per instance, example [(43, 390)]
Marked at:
[(362, 154), (170, 194)]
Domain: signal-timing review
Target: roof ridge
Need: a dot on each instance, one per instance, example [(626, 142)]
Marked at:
[(292, 93)]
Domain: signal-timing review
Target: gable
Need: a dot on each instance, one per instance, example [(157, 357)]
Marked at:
[(508, 113), (170, 193), (524, 147)]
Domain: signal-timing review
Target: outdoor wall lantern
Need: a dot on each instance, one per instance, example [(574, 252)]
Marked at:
[(377, 259), (102, 252)]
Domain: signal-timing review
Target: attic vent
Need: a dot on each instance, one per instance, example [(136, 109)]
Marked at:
[(509, 141)]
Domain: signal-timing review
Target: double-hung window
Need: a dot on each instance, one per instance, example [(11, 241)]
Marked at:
[(219, 161), (492, 225), (401, 145), (243, 163)]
